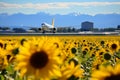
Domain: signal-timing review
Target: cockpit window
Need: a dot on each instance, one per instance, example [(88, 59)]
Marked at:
[(43, 24)]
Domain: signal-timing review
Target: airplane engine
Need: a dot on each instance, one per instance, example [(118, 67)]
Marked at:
[(39, 29), (54, 30)]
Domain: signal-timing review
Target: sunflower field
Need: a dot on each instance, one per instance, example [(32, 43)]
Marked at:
[(60, 57)]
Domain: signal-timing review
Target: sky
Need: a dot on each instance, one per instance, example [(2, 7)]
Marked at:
[(90, 7)]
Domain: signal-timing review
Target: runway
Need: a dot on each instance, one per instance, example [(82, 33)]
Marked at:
[(37, 34), (58, 34)]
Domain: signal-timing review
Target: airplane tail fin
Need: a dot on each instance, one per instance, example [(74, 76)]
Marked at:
[(52, 23)]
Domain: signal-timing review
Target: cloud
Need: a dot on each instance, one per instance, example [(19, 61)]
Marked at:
[(55, 5), (33, 6)]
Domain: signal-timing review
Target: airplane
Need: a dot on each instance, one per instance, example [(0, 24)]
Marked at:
[(45, 27)]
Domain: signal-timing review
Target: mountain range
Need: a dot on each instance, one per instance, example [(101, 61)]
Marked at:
[(68, 20)]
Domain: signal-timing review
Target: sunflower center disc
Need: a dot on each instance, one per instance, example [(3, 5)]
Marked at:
[(114, 46), (1, 45), (39, 59), (113, 77)]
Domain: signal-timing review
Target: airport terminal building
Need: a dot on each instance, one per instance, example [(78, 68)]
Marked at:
[(87, 26)]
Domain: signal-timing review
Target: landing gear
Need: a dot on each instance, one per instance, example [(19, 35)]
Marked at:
[(43, 31), (54, 30)]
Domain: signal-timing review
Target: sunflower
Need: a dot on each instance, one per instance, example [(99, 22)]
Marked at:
[(68, 50), (40, 59), (12, 48), (3, 59), (114, 46), (70, 70), (107, 73), (96, 63), (100, 52), (85, 48), (2, 44)]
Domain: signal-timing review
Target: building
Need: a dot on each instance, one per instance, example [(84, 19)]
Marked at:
[(118, 27), (87, 26), (64, 29)]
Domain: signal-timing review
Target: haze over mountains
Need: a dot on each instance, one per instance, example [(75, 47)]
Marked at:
[(73, 20)]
